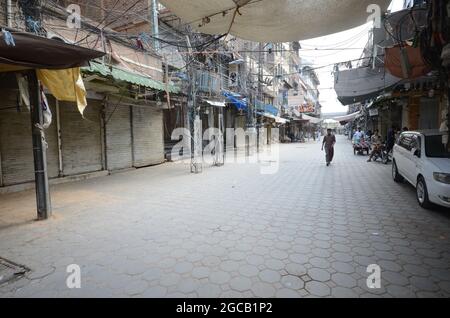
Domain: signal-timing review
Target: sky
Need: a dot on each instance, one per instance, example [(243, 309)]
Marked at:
[(349, 45)]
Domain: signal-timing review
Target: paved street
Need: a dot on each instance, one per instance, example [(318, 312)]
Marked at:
[(307, 231)]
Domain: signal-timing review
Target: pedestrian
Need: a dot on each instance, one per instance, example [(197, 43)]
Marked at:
[(391, 139), (358, 135), (328, 143), (376, 144)]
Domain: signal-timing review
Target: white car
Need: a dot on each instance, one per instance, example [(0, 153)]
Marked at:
[(423, 160)]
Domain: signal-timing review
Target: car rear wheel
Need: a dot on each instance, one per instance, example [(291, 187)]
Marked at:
[(422, 194), (395, 175)]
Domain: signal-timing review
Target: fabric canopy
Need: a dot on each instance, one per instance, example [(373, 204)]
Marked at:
[(348, 118), (31, 51), (273, 21), (312, 120)]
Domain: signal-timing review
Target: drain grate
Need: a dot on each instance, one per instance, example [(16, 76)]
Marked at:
[(10, 271)]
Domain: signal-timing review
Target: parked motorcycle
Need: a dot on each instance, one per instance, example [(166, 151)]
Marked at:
[(383, 154)]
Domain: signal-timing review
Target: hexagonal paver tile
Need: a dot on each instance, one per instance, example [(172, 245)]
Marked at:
[(319, 262), (209, 291), (229, 266), (344, 280), (263, 290), (183, 267), (219, 277), (248, 270), (318, 289), (240, 284), (274, 264), (400, 291), (201, 272), (269, 276), (319, 274), (295, 269), (342, 292), (187, 285), (292, 282), (287, 293)]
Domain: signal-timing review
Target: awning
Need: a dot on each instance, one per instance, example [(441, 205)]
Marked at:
[(236, 100), (274, 21), (215, 103), (348, 118), (267, 108), (128, 76), (280, 120), (363, 83), (267, 115), (312, 120), (34, 52)]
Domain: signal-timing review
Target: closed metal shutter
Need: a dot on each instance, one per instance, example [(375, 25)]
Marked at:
[(16, 146), (148, 136), (81, 138), (118, 137)]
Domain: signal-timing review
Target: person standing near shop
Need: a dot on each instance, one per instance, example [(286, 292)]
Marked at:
[(328, 144)]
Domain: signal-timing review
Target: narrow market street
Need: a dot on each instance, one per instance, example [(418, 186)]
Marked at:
[(308, 230)]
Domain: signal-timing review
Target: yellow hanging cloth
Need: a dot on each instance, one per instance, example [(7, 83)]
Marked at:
[(66, 85)]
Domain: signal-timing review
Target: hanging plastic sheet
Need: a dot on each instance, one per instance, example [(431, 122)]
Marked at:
[(66, 85)]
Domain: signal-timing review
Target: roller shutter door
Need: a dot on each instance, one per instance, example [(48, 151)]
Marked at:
[(148, 136), (118, 137), (16, 146), (81, 138)]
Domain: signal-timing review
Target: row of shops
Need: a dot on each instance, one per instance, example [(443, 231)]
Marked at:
[(113, 134), (406, 85)]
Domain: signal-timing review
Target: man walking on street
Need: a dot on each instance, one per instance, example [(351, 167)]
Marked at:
[(328, 143)]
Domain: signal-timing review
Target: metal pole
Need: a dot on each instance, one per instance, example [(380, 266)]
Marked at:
[(9, 13), (44, 209), (193, 114), (1, 171), (155, 23), (260, 95), (58, 128)]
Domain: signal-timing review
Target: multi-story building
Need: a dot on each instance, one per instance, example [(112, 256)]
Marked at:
[(122, 126)]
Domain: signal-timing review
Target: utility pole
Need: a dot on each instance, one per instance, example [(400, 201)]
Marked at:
[(260, 92), (153, 5), (44, 208), (195, 129)]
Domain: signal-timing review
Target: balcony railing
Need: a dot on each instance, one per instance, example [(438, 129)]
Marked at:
[(212, 83)]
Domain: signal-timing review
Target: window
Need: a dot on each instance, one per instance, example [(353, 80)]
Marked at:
[(406, 141), (435, 148), (416, 144)]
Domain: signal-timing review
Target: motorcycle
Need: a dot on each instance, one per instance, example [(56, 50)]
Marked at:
[(384, 154), (361, 147)]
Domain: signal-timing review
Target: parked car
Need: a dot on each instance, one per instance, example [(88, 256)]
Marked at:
[(424, 161)]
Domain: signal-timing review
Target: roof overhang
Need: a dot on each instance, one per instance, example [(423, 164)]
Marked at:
[(215, 103), (34, 52)]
